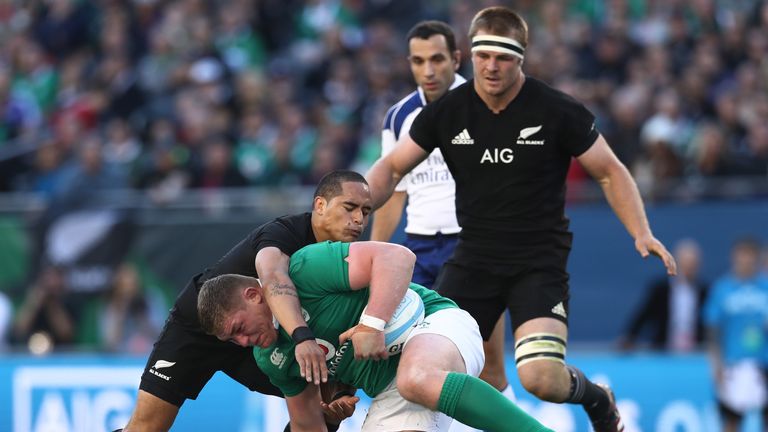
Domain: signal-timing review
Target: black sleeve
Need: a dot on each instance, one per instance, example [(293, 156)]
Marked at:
[(578, 130), (423, 129), (280, 235)]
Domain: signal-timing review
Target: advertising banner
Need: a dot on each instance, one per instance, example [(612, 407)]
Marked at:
[(96, 393)]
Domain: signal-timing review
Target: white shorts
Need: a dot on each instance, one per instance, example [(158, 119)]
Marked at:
[(743, 387), (389, 412)]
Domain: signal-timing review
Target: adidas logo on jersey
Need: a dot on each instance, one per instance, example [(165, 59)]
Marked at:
[(559, 310), (462, 138)]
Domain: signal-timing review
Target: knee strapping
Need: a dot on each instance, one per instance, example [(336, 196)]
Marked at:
[(540, 346)]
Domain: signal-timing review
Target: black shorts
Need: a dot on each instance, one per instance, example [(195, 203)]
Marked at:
[(528, 292), (184, 359)]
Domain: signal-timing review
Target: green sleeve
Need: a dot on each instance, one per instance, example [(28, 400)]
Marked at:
[(320, 269), (279, 364)]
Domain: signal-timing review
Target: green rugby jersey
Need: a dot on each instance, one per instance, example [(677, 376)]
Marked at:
[(321, 275)]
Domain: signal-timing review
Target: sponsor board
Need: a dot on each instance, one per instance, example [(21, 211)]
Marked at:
[(82, 399)]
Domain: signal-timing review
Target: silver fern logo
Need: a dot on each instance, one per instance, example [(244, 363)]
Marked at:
[(163, 364), (525, 133)]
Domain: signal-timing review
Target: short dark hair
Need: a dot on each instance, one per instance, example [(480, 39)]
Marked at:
[(427, 29), (748, 242), (330, 185), (500, 21), (218, 297)]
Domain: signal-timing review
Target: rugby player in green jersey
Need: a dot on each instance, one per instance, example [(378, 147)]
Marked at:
[(435, 376)]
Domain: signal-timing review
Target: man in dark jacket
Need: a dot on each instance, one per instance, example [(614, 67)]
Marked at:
[(672, 306)]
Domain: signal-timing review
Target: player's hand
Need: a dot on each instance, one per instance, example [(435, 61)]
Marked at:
[(648, 244), (368, 342), (311, 360), (339, 409)]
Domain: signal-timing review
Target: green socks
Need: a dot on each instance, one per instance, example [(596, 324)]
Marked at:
[(476, 403)]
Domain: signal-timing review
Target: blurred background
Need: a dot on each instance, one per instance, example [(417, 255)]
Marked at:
[(140, 139)]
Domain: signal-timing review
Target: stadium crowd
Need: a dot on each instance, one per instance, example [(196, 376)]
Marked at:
[(166, 95)]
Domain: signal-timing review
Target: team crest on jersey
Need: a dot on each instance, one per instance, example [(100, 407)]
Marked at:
[(277, 358), (522, 139), (327, 347)]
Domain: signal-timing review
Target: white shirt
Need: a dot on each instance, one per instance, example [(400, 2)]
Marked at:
[(683, 310), (430, 187)]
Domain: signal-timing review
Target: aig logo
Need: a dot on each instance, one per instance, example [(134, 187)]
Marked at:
[(86, 399), (503, 155)]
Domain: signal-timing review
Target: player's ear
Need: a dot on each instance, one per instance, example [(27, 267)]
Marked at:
[(456, 57), (253, 293), (319, 205)]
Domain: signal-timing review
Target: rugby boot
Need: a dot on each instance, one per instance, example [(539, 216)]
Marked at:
[(611, 420)]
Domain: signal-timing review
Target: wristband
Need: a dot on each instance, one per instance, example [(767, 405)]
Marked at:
[(301, 334), (372, 322)]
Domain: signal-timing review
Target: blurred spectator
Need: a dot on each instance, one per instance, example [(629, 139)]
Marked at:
[(711, 158), (240, 47), (666, 135), (130, 318), (162, 175), (35, 76), (117, 77), (671, 307), (218, 169), (253, 156), (294, 144), (736, 316), (63, 26), (86, 177), (19, 114), (47, 171), (121, 149), (162, 171), (46, 317)]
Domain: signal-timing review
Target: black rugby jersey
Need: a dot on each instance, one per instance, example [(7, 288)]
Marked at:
[(510, 168), (287, 233)]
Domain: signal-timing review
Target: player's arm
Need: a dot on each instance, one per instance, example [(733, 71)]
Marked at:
[(272, 267), (387, 172), (387, 217), (624, 197), (386, 269), (305, 411)]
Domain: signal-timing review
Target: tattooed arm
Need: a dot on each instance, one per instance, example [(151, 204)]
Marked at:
[(272, 266)]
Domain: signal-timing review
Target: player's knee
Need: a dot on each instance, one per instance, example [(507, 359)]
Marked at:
[(412, 384), (539, 358), (542, 380)]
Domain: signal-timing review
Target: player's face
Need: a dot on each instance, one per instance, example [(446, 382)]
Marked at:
[(495, 73), (344, 217), (745, 261), (433, 65), (250, 326)]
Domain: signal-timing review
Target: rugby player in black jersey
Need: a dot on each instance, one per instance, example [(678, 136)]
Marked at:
[(508, 140), (184, 358)]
